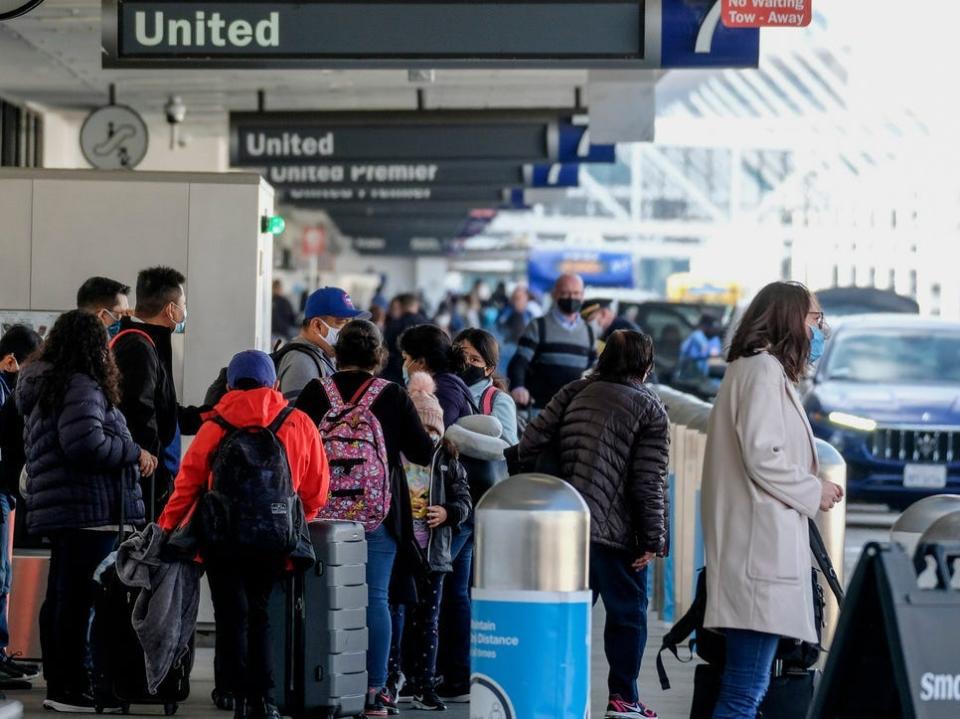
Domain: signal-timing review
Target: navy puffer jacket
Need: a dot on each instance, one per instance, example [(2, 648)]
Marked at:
[(77, 457)]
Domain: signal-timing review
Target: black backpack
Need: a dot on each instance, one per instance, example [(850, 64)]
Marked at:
[(216, 390), (251, 508), (710, 644)]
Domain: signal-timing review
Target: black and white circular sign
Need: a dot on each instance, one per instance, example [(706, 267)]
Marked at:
[(114, 138), (10, 9)]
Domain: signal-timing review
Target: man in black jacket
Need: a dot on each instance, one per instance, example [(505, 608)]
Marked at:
[(144, 355)]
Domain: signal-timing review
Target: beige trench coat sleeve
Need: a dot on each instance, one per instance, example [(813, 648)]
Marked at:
[(762, 434)]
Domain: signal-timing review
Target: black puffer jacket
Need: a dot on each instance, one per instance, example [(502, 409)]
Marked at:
[(449, 489), (77, 457), (614, 442)]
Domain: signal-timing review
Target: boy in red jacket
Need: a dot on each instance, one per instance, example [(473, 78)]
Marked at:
[(240, 587)]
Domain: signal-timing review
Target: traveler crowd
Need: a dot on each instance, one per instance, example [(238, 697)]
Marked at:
[(402, 429)]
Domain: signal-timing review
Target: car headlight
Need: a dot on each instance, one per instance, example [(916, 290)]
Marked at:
[(852, 421)]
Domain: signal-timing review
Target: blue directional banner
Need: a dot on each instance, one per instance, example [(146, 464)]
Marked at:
[(559, 174), (693, 36), (575, 146)]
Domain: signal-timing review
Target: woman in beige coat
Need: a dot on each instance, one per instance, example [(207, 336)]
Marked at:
[(760, 485)]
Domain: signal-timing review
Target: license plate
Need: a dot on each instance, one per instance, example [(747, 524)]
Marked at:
[(925, 476)]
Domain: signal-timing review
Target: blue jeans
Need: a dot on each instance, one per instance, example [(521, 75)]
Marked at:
[(6, 569), (746, 674), (453, 658), (624, 593), (381, 553)]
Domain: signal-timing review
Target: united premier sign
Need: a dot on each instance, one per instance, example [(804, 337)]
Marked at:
[(279, 138), (397, 173), (402, 33)]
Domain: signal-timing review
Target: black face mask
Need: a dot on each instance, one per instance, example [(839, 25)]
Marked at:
[(471, 374), (569, 305), (10, 378)]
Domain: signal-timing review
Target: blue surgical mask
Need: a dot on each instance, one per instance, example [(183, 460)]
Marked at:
[(113, 329), (817, 340), (181, 326), (406, 375)]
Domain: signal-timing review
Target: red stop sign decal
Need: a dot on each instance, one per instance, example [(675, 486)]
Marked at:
[(766, 13)]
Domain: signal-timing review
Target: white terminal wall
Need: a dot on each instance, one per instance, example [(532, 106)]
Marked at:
[(63, 226)]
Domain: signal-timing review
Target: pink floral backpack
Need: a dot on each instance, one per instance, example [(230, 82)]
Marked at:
[(357, 454)]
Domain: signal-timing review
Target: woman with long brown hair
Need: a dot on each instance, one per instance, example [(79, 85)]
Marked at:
[(82, 464), (760, 485)]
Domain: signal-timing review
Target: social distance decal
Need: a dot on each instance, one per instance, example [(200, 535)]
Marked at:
[(262, 139), (766, 13)]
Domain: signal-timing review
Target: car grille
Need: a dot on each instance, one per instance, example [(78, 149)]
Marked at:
[(916, 445)]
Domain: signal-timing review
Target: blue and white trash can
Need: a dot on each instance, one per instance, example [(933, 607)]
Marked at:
[(530, 629)]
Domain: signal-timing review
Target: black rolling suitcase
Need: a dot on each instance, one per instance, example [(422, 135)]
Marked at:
[(318, 622), (788, 697), (124, 679)]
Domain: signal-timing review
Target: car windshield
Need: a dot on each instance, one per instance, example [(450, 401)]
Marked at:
[(891, 356)]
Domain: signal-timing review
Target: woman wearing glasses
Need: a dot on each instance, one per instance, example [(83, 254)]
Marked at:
[(760, 485)]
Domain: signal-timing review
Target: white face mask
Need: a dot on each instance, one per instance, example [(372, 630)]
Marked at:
[(333, 334)]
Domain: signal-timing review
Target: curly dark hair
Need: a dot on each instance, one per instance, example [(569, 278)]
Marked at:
[(77, 344)]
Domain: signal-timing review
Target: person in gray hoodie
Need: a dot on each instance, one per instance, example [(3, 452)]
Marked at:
[(310, 355)]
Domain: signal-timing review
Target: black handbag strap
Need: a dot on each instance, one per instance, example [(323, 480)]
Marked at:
[(819, 550)]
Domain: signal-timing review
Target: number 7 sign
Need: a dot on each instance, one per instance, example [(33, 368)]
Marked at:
[(766, 13)]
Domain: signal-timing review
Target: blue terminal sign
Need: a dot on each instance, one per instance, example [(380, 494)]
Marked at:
[(612, 34)]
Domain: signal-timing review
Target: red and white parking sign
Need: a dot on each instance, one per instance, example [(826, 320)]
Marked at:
[(766, 13)]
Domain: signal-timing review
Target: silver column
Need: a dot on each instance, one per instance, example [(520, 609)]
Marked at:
[(833, 527), (532, 532), (530, 611)]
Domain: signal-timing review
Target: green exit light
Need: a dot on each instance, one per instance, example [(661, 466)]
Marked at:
[(274, 224)]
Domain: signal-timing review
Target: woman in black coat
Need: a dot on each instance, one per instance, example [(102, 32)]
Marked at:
[(613, 437), (81, 465)]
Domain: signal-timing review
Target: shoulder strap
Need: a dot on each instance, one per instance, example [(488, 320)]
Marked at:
[(224, 424), (309, 350), (819, 550), (280, 419), (686, 625), (369, 393), (128, 332), (486, 400), (333, 393)]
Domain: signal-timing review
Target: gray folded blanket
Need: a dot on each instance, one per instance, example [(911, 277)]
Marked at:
[(165, 611)]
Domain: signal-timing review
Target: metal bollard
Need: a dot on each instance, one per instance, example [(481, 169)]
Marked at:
[(833, 527), (530, 628), (917, 518)]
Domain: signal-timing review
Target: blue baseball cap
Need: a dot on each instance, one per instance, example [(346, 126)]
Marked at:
[(252, 365), (332, 302)]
